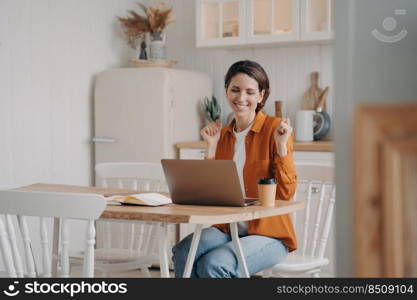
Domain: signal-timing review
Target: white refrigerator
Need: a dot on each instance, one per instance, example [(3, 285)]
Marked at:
[(140, 113)]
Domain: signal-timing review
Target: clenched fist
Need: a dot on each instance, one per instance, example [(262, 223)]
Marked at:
[(281, 136), (211, 132), (211, 135)]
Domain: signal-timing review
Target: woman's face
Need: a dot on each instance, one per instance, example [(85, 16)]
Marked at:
[(243, 95)]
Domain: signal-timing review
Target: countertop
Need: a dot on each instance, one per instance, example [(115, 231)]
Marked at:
[(320, 146)]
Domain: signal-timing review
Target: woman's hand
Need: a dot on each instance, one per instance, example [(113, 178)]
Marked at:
[(281, 136), (211, 135)]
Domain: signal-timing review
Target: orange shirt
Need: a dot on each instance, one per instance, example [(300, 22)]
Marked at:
[(262, 160)]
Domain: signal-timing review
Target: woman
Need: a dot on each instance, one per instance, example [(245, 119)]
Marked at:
[(261, 146)]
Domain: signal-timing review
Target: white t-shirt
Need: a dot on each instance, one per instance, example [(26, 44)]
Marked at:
[(239, 158)]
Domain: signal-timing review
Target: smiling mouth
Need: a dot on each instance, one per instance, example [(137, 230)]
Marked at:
[(241, 106)]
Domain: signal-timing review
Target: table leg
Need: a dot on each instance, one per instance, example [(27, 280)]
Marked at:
[(193, 250), (238, 249), (163, 257)]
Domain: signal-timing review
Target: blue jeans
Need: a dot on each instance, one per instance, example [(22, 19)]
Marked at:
[(215, 256)]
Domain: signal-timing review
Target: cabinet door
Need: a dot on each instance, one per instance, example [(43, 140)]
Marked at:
[(273, 20), (314, 158), (187, 153), (317, 20), (219, 22)]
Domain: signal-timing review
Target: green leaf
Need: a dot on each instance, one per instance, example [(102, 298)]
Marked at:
[(211, 108)]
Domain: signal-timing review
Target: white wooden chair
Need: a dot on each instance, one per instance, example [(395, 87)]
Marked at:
[(315, 187), (123, 246), (45, 206)]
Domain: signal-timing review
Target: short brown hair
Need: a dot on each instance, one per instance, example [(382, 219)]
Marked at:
[(253, 70)]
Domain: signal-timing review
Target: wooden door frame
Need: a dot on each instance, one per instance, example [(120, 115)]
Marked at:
[(381, 134)]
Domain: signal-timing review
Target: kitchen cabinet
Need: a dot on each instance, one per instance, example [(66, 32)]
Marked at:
[(253, 22), (220, 22), (272, 21), (317, 22)]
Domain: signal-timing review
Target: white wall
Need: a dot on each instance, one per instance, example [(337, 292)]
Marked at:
[(49, 54), (50, 51)]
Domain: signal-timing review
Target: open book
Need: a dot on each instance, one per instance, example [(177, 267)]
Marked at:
[(148, 199)]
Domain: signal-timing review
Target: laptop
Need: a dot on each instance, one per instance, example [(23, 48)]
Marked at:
[(204, 182)]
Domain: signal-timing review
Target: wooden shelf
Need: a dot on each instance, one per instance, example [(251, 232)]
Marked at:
[(318, 146), (141, 63), (322, 146)]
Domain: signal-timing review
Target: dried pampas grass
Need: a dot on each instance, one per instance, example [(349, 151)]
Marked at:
[(156, 19), (159, 17)]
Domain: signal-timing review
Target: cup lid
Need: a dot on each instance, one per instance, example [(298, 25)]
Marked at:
[(267, 181)]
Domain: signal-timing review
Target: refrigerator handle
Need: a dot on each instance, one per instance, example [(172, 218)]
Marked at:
[(103, 140)]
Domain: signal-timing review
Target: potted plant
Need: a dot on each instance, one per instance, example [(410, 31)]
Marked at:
[(153, 22)]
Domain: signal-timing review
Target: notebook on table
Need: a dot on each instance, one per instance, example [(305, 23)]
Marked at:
[(147, 199)]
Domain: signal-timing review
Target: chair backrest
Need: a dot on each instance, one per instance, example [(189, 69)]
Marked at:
[(136, 176), (315, 187), (45, 205)]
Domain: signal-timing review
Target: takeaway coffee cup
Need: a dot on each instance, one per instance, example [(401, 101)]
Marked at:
[(266, 191)]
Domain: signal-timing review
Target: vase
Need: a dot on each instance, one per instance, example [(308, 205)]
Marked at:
[(157, 46), (142, 54)]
